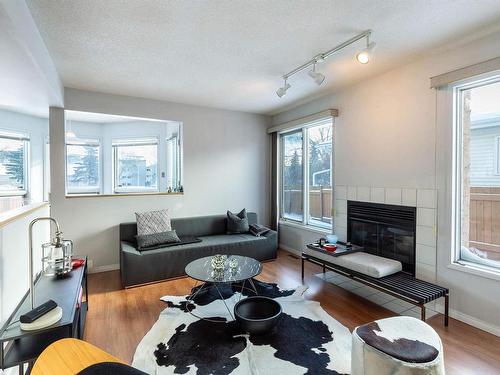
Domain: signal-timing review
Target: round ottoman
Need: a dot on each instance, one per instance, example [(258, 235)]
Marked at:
[(401, 345)]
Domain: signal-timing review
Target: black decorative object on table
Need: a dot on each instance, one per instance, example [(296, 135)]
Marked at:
[(34, 314), (257, 315), (25, 346)]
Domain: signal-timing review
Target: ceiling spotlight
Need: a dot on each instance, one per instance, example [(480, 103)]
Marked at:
[(364, 55), (318, 77), (70, 133), (282, 90)]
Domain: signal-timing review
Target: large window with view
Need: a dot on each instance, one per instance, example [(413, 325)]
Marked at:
[(135, 165), (477, 177), (83, 166), (306, 174), (13, 163)]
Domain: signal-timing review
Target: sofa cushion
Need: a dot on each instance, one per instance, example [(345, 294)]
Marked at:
[(222, 243), (237, 223), (148, 240), (152, 222), (367, 264)]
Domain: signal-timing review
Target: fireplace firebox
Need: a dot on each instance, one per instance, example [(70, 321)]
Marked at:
[(384, 230)]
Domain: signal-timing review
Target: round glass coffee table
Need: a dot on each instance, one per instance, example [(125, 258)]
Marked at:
[(202, 271)]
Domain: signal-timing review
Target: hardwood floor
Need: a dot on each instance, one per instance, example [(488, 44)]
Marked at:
[(118, 318)]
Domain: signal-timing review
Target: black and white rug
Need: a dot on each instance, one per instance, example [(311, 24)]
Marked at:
[(306, 340)]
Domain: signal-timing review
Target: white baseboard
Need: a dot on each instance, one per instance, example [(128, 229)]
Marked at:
[(106, 268), (290, 250), (470, 320)]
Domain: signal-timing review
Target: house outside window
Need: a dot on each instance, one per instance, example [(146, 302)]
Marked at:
[(83, 166), (477, 177), (306, 156), (14, 156), (135, 165)]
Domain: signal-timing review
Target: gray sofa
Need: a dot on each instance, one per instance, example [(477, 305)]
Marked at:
[(154, 265)]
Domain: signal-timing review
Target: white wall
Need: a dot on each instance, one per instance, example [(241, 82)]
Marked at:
[(38, 129), (14, 265), (386, 137), (226, 166)]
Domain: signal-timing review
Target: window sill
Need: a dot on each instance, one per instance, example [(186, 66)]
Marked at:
[(308, 228), (475, 270), (72, 196)]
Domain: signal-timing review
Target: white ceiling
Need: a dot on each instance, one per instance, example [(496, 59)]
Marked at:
[(231, 53), (29, 83)]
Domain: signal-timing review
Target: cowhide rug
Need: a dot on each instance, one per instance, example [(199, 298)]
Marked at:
[(306, 340)]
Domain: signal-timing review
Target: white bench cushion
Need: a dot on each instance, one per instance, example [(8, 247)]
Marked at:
[(367, 264)]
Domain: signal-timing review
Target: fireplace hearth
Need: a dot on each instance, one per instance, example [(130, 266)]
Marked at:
[(384, 230)]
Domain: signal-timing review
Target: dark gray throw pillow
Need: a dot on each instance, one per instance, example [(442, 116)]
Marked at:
[(154, 239), (237, 223), (258, 230)]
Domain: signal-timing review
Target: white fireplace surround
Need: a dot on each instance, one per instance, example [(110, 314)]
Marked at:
[(423, 199)]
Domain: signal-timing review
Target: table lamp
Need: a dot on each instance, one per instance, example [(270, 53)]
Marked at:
[(48, 312)]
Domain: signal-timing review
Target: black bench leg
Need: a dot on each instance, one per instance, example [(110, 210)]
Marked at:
[(302, 270), (324, 270), (422, 312), (446, 309)]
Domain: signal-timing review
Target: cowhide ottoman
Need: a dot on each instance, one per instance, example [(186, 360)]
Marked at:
[(401, 345)]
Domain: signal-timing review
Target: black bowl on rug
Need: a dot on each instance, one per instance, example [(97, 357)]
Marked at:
[(257, 315)]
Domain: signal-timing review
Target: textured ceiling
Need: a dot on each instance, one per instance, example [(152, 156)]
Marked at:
[(231, 53)]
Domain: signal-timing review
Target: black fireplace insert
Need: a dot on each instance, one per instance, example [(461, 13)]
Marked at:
[(384, 230)]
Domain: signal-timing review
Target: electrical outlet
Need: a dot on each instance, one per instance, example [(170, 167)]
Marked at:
[(90, 263)]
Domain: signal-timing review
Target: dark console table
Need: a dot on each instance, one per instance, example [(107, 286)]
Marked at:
[(18, 347)]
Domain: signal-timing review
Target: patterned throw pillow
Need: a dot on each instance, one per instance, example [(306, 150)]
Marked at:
[(237, 223), (152, 222), (150, 240)]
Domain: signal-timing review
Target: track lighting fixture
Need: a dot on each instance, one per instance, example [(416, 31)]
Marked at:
[(318, 77), (282, 90), (363, 57)]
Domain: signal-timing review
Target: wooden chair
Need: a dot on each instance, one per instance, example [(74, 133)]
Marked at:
[(68, 357)]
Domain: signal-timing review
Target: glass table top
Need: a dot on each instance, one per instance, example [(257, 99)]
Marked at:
[(202, 270)]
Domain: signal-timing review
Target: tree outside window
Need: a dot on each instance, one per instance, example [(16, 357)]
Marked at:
[(13, 165), (82, 168)]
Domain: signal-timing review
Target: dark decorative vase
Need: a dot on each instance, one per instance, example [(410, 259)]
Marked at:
[(257, 315)]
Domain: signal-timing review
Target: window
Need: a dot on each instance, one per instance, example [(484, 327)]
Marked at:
[(174, 162), (46, 170), (13, 163), (83, 166), (497, 155), (135, 164), (319, 151), (306, 174), (477, 179), (292, 176)]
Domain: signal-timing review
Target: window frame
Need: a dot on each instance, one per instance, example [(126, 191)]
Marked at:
[(304, 129), (25, 137), (128, 142), (458, 90), (497, 156), (95, 142)]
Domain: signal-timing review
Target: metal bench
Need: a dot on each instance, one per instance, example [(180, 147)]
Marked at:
[(400, 285)]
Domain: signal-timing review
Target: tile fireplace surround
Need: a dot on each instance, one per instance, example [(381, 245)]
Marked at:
[(423, 199)]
